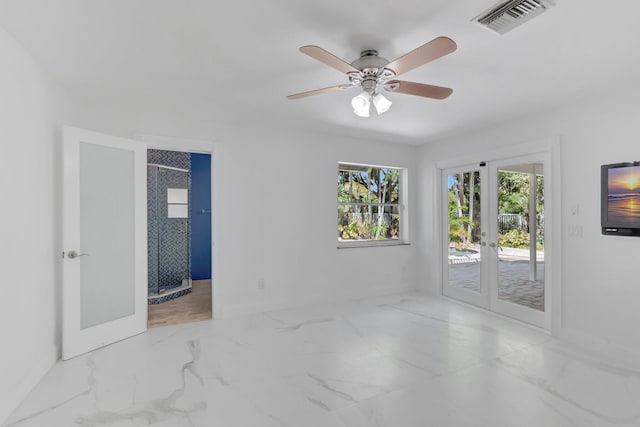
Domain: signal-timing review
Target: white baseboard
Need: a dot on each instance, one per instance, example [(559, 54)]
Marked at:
[(11, 398), (237, 310)]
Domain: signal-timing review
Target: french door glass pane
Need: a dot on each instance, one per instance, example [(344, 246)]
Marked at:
[(521, 235), (464, 230)]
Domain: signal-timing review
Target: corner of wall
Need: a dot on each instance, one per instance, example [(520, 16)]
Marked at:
[(12, 397)]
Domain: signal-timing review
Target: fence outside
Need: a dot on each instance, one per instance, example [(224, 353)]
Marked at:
[(508, 222)]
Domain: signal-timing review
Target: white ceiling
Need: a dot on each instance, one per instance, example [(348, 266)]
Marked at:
[(238, 59)]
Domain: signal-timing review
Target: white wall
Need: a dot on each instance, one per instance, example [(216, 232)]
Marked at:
[(275, 208), (32, 108), (600, 286), (275, 219)]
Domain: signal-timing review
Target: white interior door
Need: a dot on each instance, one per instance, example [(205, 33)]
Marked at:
[(104, 240)]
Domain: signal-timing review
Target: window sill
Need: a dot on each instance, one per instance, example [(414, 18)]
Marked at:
[(370, 244)]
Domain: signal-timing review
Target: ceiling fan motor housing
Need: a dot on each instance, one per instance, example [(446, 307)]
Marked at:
[(372, 70), (369, 59)]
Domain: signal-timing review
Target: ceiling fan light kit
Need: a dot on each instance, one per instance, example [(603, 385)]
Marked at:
[(381, 103), (371, 73), (361, 104)]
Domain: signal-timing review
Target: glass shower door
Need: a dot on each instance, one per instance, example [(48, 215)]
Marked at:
[(173, 230), (169, 255)]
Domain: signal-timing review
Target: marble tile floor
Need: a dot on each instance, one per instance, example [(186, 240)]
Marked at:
[(404, 360)]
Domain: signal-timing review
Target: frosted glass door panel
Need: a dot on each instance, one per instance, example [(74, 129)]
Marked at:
[(107, 226)]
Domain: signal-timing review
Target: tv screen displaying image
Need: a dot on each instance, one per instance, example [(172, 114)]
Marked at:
[(621, 199), (623, 195)]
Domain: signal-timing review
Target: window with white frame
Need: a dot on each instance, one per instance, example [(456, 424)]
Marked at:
[(369, 208)]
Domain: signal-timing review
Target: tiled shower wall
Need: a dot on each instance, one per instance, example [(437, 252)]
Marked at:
[(172, 268), (175, 159)]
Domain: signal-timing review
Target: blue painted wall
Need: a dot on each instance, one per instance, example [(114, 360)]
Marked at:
[(200, 222)]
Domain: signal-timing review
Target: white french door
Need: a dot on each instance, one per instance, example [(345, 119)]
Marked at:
[(495, 236), (104, 240)]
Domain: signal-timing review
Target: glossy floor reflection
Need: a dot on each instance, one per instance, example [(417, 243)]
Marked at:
[(513, 281), (405, 360)]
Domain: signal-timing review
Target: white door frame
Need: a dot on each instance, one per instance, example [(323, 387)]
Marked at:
[(200, 146)]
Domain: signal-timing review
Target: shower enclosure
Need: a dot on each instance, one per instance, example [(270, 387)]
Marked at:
[(168, 232)]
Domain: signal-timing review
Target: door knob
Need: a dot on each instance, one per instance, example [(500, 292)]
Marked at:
[(74, 254), (493, 245)]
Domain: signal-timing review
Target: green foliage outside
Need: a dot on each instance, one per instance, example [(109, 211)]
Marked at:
[(368, 204), (517, 239), (458, 230), (513, 198), (464, 210), (513, 193)]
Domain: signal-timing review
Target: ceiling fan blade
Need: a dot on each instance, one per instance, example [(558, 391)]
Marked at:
[(428, 52), (319, 91), (418, 89), (328, 58)]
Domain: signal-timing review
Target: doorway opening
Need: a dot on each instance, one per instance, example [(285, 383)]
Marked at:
[(179, 237)]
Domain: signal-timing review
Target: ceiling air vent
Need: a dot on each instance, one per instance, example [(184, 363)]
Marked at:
[(505, 16)]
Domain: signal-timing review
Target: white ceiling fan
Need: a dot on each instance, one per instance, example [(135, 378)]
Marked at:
[(372, 73)]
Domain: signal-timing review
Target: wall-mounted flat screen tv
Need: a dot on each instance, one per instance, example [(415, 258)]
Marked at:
[(620, 199)]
